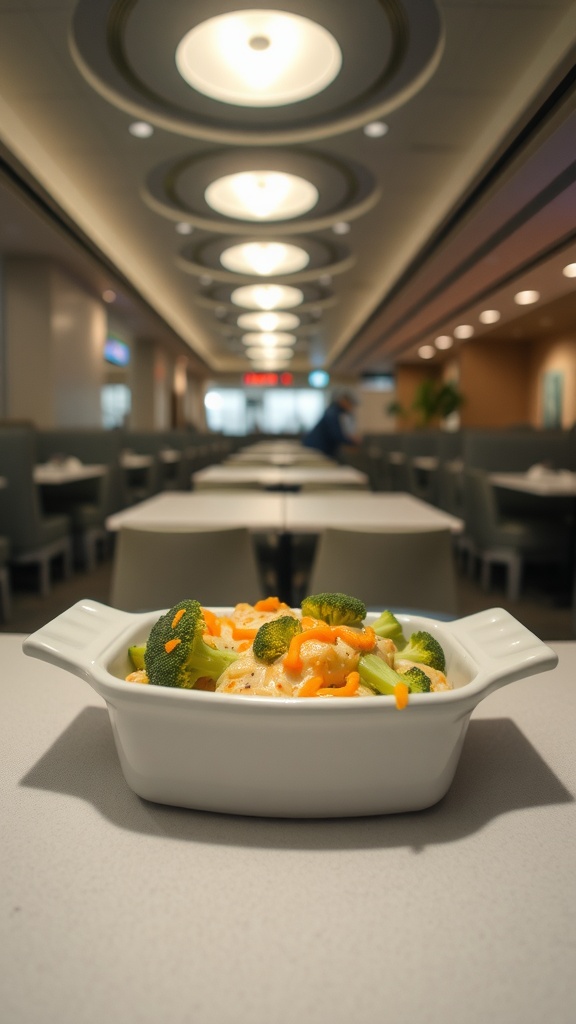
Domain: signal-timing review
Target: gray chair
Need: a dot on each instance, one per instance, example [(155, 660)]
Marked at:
[(401, 570), (35, 538), (156, 568), (512, 542)]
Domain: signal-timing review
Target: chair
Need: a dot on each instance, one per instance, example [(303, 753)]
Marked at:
[(409, 570), (156, 569), (499, 540), (5, 596), (35, 538)]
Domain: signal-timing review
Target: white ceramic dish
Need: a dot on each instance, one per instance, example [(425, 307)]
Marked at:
[(285, 757)]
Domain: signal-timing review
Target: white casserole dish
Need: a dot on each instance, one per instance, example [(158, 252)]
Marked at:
[(289, 757)]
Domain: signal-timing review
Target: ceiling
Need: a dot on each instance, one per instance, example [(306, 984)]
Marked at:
[(467, 197)]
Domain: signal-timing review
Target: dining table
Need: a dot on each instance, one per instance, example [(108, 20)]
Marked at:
[(117, 909), (59, 474), (279, 476), (544, 483)]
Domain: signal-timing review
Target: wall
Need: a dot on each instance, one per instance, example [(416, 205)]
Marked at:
[(495, 380), (555, 355)]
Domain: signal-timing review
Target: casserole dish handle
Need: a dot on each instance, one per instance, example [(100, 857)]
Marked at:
[(78, 637), (503, 648)]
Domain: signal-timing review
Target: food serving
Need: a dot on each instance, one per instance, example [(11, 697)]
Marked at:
[(324, 650)]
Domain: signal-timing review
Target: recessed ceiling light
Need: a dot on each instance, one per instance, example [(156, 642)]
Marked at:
[(184, 228), (443, 341), (268, 321), (108, 295), (205, 280), (426, 351), (141, 129), (270, 355), (267, 296), (489, 316), (269, 339), (570, 270), (325, 281), (341, 227), (264, 258), (375, 130), (527, 297), (258, 58), (463, 331), (261, 195)]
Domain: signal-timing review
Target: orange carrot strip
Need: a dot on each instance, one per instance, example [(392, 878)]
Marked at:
[(292, 659), (311, 687), (348, 690), (308, 622), (212, 622), (269, 604), (171, 644), (363, 641), (177, 617), (243, 646), (401, 692), (240, 633)]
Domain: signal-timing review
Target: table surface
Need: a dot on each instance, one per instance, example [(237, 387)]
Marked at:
[(280, 476), (54, 474), (548, 484), (115, 909), (278, 512)]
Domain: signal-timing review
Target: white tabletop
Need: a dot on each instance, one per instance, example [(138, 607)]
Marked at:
[(546, 484), (117, 910), (266, 476), (365, 510), (55, 473), (206, 510), (135, 460)]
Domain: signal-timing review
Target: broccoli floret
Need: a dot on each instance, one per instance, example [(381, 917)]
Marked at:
[(424, 647), (136, 655), (335, 609), (176, 653), (380, 677), (387, 625), (273, 638)]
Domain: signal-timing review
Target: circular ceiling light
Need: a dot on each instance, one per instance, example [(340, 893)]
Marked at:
[(258, 58), (267, 296), (443, 341), (278, 355), (261, 195), (464, 331), (527, 297), (341, 227), (489, 316), (184, 228), (268, 321), (426, 351), (375, 129), (264, 258), (141, 129), (270, 340), (569, 270)]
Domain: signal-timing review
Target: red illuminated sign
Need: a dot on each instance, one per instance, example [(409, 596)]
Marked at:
[(267, 380)]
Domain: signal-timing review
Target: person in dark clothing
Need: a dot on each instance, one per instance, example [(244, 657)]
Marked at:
[(330, 432)]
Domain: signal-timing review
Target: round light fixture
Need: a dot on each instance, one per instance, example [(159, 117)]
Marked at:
[(463, 331), (184, 228), (141, 129), (569, 270), (108, 295), (443, 341), (318, 379), (426, 351), (267, 296), (375, 130), (489, 316), (268, 321), (258, 58), (526, 298), (261, 195), (341, 227), (264, 258), (278, 355), (269, 340)]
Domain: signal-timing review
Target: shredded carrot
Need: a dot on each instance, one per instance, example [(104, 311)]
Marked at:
[(212, 622), (177, 617), (311, 687), (363, 641), (242, 633), (243, 646), (269, 604), (348, 690), (292, 660), (401, 692), (308, 622), (171, 644)]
